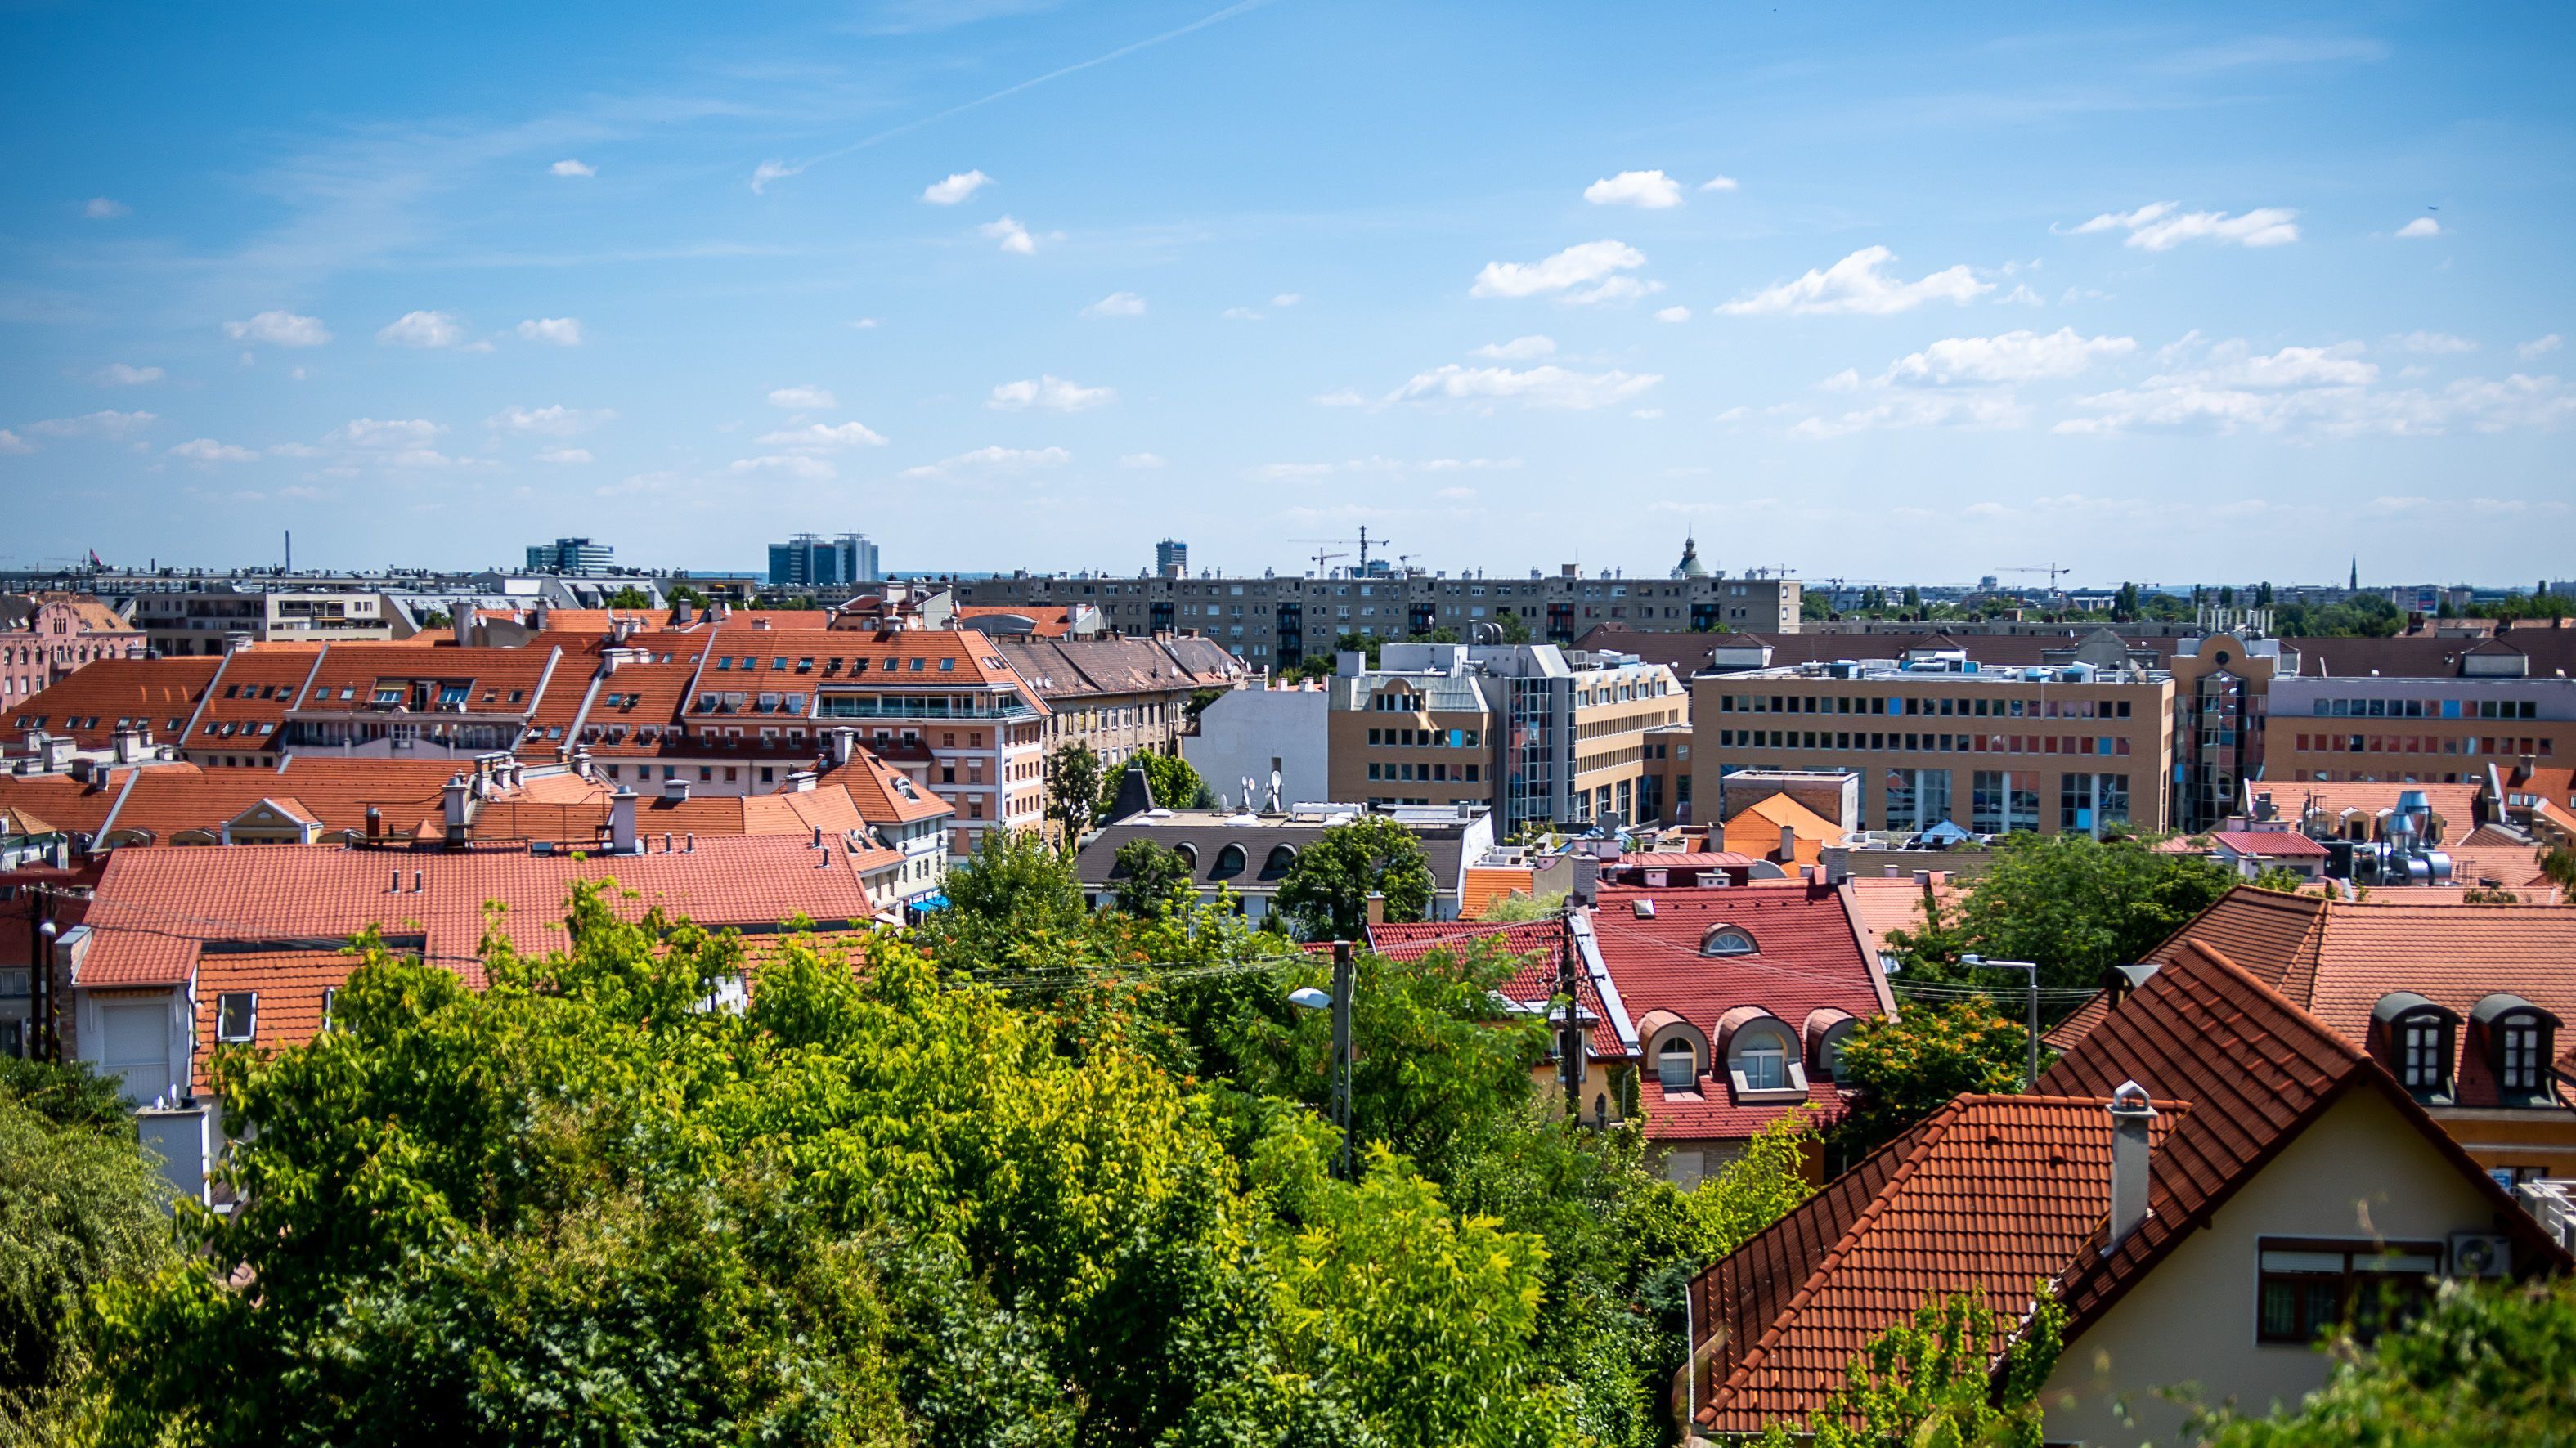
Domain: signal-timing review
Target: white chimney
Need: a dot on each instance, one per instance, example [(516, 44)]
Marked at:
[(843, 742), (675, 790), (458, 797), (1788, 844), (621, 822), (2131, 1115), (800, 782)]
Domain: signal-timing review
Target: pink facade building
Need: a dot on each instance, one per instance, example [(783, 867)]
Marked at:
[(46, 637)]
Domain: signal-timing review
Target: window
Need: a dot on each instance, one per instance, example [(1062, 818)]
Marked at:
[(2518, 1055), (330, 999), (236, 1015), (1726, 940), (2306, 1287), (2420, 1061), (1677, 1066), (1762, 1059)]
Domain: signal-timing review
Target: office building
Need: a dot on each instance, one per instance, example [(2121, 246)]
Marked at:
[(1539, 735), (1935, 738), (1276, 622), (570, 555), (2423, 730), (809, 560), (1171, 559)]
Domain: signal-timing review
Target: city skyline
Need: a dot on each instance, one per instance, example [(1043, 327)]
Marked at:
[(1012, 285)]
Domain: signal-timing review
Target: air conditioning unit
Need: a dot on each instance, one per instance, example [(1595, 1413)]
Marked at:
[(2480, 1254)]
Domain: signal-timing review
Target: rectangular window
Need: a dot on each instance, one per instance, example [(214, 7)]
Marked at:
[(2306, 1288), (236, 1015)]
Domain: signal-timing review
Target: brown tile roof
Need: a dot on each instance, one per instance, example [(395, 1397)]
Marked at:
[(154, 908), (854, 657), (503, 682), (1885, 903), (1053, 621), (1489, 885), (154, 694), (884, 794), (1064, 668), (247, 700), (2455, 805), (1992, 1193), (69, 803), (2270, 844), (1540, 943)]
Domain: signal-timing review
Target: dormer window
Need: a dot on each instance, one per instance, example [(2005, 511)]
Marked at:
[(1762, 1058), (1677, 1066), (2419, 1042), (236, 1015), (1726, 940), (2517, 1038)]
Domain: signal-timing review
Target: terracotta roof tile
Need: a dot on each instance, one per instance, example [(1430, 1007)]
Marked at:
[(2270, 844), (1489, 885), (155, 694), (1540, 942)]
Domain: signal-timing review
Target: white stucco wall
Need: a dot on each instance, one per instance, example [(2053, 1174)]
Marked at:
[(1239, 733), (2359, 1172)]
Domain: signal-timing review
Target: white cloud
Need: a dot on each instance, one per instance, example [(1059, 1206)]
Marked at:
[(864, 324), (824, 437), (554, 421), (2420, 227), (118, 374), (803, 397), (422, 329), (2539, 347), (560, 331), (1856, 284), (2437, 343), (1341, 397), (1050, 392), (564, 456), (1718, 183), (1014, 237), (2316, 392), (1141, 460), (768, 171), (1847, 380), (956, 188), (2162, 226), (1286, 299), (1240, 314), (13, 445), (1456, 495), (94, 424), (372, 433), (1519, 349), (1920, 409), (2012, 357), (207, 450), (1546, 386), (279, 329), (993, 460), (1593, 265), (2234, 365), (573, 168), (1652, 190), (293, 450), (1673, 314), (102, 209), (803, 469), (1117, 304)]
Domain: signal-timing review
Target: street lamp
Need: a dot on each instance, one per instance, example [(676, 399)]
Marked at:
[(2032, 971), (1307, 998)]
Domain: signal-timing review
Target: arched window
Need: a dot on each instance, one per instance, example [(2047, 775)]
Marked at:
[(2516, 1037), (1761, 1058), (1189, 856), (1726, 940), (1283, 858), (2419, 1039), (1762, 1054), (1675, 1050), (1229, 863), (1677, 1064)]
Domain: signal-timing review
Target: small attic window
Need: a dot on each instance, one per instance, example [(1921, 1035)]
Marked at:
[(1727, 940), (236, 1015)]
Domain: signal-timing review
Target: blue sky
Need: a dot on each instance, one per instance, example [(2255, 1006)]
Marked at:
[(1864, 291)]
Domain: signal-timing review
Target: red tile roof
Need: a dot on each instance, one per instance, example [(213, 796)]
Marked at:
[(884, 794), (2455, 805), (1992, 1193), (92, 703), (154, 907), (1540, 942), (1896, 902), (2270, 844)]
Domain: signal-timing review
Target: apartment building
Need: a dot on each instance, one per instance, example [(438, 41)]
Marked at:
[(1274, 621), (45, 637), (2422, 730), (1935, 737), (1540, 734), (1120, 696)]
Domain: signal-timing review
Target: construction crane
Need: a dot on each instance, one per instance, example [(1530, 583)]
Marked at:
[(1364, 542), (1321, 558), (2054, 571)]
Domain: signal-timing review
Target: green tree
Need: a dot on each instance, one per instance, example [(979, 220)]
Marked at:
[(1516, 629), (685, 593), (1150, 879), (2559, 866), (2280, 879), (80, 1207), (1903, 1068), (2488, 1363), (1174, 780), (1326, 892), (1074, 777), (1366, 644), (630, 597), (2076, 905), (1016, 903), (1954, 1376), (1517, 907)]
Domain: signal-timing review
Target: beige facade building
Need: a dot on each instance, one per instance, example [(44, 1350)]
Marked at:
[(1121, 696), (1541, 734), (1936, 738)]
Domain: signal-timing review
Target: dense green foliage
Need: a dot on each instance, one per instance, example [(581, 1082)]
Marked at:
[(1045, 1175), (1074, 776), (1326, 892), (1151, 879), (2363, 615), (1175, 782), (2075, 904), (1904, 1068), (1525, 907), (79, 1206), (2487, 1364), (1934, 1382)]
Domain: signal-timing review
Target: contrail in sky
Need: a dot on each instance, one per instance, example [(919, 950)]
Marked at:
[(769, 171)]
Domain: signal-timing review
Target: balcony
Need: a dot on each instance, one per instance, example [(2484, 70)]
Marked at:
[(835, 707)]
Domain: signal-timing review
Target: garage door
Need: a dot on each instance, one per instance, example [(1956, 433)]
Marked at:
[(135, 1045)]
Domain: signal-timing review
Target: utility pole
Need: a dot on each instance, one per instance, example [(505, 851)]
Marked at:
[(1569, 1032), (1344, 979), (2032, 971)]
